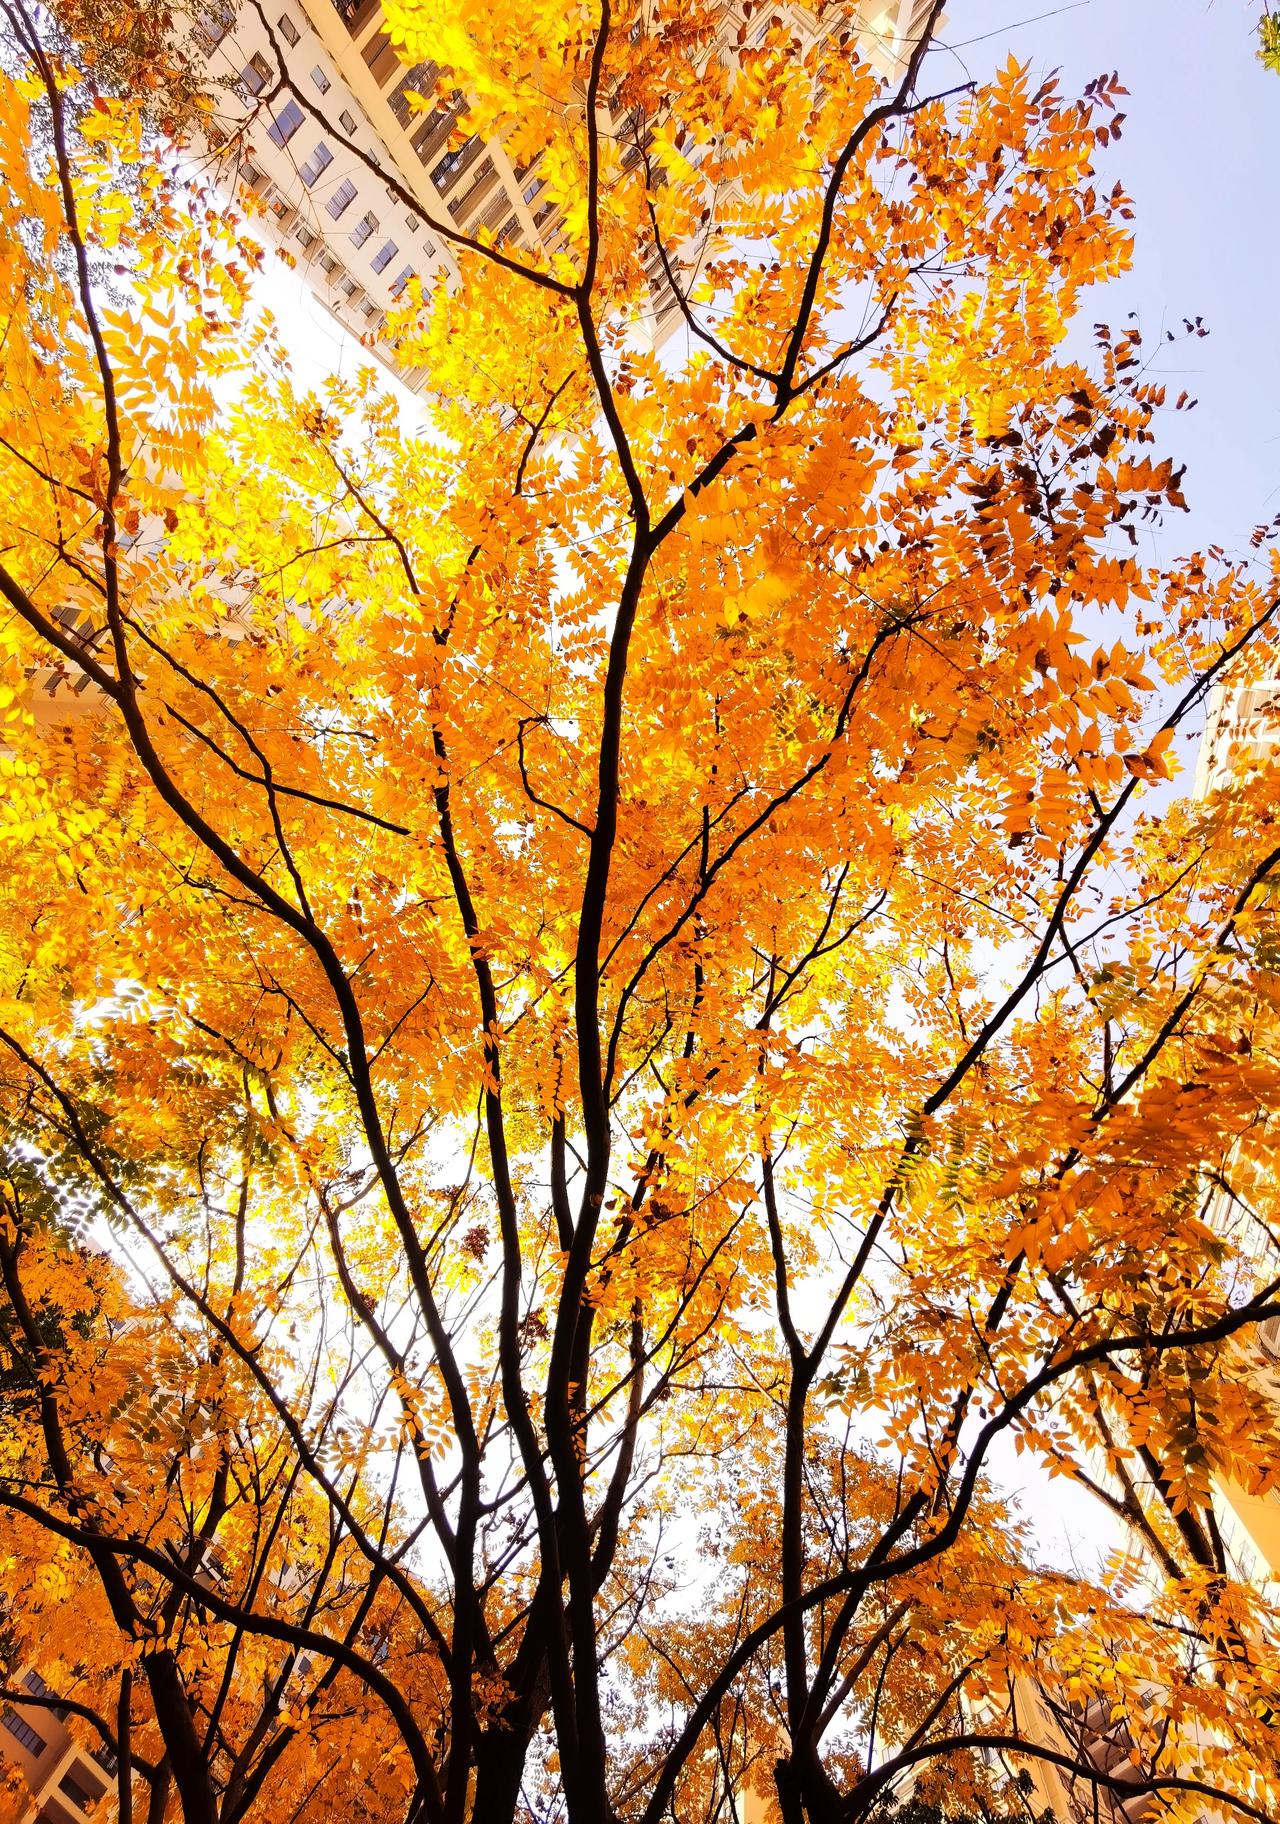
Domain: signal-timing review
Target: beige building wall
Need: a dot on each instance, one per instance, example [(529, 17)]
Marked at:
[(1092, 1738), (66, 1783), (1250, 1524), (1242, 729), (1243, 725)]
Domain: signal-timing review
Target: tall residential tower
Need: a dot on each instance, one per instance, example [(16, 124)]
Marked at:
[(355, 240)]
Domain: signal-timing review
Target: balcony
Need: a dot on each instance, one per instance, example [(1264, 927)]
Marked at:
[(465, 207), (453, 165), (421, 79), (355, 14)]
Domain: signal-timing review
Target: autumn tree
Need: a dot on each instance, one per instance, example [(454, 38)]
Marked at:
[(605, 1000)]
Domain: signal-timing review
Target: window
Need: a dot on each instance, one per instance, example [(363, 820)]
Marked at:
[(288, 30), (328, 262), (78, 1792), (320, 79), (342, 198), (367, 225), (285, 124), (402, 280), (250, 176), (369, 308), (34, 1682), (412, 223), (350, 287), (316, 165), (304, 235), (384, 256), (256, 74), (347, 121), (214, 23), (31, 1740)]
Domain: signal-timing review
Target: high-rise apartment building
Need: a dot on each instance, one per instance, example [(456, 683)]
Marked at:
[(65, 1783), (1100, 1745), (1249, 1524), (1241, 727), (356, 242), (1089, 1737), (1242, 731)]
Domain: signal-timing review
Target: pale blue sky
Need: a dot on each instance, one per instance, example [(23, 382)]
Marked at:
[(1200, 155)]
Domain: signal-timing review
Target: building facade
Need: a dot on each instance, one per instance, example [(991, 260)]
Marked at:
[(65, 1782), (1242, 730), (1241, 727), (1095, 1741), (353, 237)]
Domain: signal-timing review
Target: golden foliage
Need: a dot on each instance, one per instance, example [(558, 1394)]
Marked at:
[(601, 1000)]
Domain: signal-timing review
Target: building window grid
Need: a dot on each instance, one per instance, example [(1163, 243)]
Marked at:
[(384, 256), (255, 75), (316, 166), (418, 80), (288, 30), (321, 80), (452, 162), (367, 225), (31, 1739), (214, 23), (285, 124), (483, 171), (78, 1792), (342, 199)]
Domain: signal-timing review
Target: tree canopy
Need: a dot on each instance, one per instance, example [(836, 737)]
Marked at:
[(607, 1003)]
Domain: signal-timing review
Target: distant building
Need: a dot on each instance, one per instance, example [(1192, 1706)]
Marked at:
[(1250, 1524), (357, 244), (1242, 730), (1094, 1741), (1242, 726), (1097, 1742), (68, 1784)]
